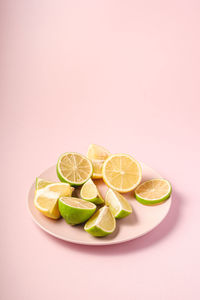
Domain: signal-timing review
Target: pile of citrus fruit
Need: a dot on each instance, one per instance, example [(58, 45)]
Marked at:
[(120, 172)]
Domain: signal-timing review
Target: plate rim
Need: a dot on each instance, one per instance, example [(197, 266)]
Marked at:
[(104, 243)]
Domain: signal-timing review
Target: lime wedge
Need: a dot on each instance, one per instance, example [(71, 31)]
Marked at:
[(119, 206), (89, 192), (74, 168), (153, 191), (75, 210), (41, 183), (101, 223)]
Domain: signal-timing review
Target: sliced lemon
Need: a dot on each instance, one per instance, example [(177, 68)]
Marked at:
[(89, 192), (119, 206), (153, 191), (75, 210), (101, 223), (46, 199), (97, 168), (97, 152), (121, 172), (41, 183), (74, 168)]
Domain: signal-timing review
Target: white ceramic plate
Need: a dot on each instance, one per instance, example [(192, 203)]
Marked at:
[(141, 221)]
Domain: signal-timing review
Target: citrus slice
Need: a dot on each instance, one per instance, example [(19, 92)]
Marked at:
[(74, 168), (153, 191), (46, 199), (75, 210), (41, 183), (119, 206), (121, 172), (97, 152), (101, 223), (97, 168), (89, 192)]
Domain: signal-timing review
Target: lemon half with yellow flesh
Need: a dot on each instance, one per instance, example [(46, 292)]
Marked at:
[(121, 172)]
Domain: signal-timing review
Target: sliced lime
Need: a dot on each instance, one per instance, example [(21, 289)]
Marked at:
[(89, 192), (41, 183), (153, 191), (102, 223), (118, 204)]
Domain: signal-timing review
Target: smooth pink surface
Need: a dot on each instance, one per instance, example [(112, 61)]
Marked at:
[(125, 75)]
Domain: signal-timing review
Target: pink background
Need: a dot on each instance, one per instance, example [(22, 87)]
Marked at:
[(125, 75)]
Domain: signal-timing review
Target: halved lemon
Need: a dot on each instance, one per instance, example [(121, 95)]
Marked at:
[(89, 192), (101, 223), (121, 172), (46, 199), (74, 168), (119, 206), (153, 191)]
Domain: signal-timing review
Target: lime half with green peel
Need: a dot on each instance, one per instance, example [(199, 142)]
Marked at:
[(41, 183), (101, 223), (89, 192), (75, 210), (74, 168), (118, 204), (46, 199), (153, 191)]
